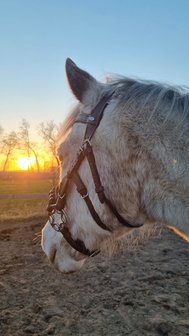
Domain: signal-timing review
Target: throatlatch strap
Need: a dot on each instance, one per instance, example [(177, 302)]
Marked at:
[(118, 216), (82, 190)]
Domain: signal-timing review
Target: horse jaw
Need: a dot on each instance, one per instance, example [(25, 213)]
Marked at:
[(60, 255)]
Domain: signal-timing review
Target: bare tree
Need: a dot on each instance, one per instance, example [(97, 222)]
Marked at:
[(9, 143), (1, 130), (48, 131), (1, 143), (26, 143)]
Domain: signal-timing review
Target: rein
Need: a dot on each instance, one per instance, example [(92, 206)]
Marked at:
[(57, 198)]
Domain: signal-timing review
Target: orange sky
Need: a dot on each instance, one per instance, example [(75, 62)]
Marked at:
[(21, 162)]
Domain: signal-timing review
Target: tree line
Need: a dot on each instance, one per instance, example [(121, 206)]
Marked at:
[(21, 140)]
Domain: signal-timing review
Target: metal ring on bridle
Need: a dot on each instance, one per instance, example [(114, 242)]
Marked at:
[(84, 196), (58, 226), (85, 142)]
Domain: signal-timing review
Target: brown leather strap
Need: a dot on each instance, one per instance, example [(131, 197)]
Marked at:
[(96, 178), (82, 190), (61, 200), (118, 216), (100, 189), (77, 244), (93, 119)]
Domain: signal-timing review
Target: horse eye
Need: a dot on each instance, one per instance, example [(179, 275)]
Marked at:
[(60, 158)]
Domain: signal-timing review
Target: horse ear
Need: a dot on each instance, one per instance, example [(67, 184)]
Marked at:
[(79, 80)]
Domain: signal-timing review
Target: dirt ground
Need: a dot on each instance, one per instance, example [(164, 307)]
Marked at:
[(136, 293)]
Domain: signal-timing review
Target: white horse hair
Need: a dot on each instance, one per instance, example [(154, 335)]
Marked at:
[(142, 153)]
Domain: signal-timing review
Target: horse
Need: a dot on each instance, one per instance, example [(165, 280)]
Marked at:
[(137, 172)]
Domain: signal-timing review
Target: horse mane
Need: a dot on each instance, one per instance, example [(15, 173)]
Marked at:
[(150, 101), (170, 102)]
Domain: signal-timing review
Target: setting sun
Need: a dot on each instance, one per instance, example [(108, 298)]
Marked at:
[(24, 162)]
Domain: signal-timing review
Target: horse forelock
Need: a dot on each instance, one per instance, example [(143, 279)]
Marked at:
[(68, 123)]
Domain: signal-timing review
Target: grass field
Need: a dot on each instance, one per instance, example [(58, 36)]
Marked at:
[(24, 186), (23, 208)]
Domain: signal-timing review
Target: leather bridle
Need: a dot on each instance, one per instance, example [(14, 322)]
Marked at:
[(57, 198)]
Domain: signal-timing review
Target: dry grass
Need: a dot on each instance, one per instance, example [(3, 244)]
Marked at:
[(179, 233), (16, 208), (22, 208), (129, 239)]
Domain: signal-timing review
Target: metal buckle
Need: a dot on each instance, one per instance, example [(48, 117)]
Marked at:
[(84, 144), (61, 197), (58, 226), (84, 196)]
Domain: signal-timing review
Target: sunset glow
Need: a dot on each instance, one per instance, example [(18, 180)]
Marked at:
[(25, 163)]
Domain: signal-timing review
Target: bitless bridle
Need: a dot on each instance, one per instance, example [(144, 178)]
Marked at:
[(57, 198)]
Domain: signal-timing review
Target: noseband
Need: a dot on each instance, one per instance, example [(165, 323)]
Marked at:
[(57, 198)]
